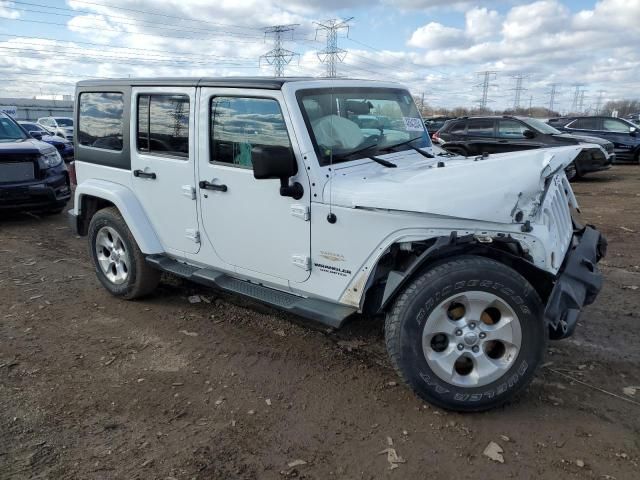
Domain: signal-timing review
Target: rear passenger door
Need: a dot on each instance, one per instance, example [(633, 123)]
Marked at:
[(163, 159), (481, 136)]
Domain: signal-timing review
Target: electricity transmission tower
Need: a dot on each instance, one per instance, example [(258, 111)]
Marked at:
[(519, 89), (576, 97), (581, 101), (487, 76), (552, 96), (279, 56), (332, 54), (599, 101)]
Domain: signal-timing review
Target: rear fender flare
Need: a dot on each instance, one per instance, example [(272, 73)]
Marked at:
[(129, 207)]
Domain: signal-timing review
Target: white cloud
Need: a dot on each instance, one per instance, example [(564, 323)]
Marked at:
[(434, 35), (482, 23), (6, 11)]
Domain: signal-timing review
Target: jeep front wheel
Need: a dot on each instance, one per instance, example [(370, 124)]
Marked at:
[(120, 265), (467, 334)]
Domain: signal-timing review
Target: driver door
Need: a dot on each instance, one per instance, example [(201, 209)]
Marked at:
[(249, 225)]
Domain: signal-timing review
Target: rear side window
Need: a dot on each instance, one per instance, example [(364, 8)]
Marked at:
[(480, 127), (163, 124), (239, 124), (100, 120), (584, 124), (457, 128)]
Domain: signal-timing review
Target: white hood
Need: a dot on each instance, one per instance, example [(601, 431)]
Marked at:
[(494, 189)]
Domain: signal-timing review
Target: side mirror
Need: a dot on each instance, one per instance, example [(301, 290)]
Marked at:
[(36, 134), (633, 131), (270, 162), (529, 134)]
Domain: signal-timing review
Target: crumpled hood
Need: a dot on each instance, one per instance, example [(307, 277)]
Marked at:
[(494, 189)]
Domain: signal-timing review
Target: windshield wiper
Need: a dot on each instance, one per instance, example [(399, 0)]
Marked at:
[(383, 162), (355, 152), (408, 143)]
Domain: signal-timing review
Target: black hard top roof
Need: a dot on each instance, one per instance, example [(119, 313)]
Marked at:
[(267, 83)]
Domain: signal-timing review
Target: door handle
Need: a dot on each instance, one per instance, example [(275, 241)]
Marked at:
[(212, 186), (503, 141), (142, 174)]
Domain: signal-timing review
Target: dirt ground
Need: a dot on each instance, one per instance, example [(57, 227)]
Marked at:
[(92, 387)]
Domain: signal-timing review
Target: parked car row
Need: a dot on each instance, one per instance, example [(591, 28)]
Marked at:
[(617, 138), (37, 131), (33, 174), (479, 135), (621, 132)]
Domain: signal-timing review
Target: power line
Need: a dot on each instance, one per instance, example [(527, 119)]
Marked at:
[(332, 54), (279, 56), (146, 23), (136, 33), (146, 12), (119, 47)]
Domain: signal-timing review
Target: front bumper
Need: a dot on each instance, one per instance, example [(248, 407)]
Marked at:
[(50, 193), (578, 283), (594, 160)]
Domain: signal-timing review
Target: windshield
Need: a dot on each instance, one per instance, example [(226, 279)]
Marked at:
[(540, 126), (10, 131), (352, 123), (64, 122), (31, 127)]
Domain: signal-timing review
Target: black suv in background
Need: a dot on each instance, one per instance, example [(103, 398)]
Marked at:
[(32, 173), (477, 135), (621, 132)]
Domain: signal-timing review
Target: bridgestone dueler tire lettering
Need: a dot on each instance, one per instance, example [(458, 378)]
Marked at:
[(142, 279), (406, 320)]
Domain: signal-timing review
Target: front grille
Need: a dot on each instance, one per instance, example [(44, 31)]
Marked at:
[(16, 172), (557, 216)]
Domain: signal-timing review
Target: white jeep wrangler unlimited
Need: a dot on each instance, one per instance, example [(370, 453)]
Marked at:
[(325, 198)]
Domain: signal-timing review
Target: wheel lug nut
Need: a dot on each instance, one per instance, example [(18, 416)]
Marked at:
[(475, 349), (483, 335), (472, 326), (458, 332), (460, 346)]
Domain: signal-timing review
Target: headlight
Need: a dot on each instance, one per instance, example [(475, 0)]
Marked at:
[(50, 159)]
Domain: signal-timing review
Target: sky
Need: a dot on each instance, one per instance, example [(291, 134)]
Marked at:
[(437, 48)]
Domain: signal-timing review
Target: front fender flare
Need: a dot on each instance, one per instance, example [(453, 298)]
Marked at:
[(129, 206)]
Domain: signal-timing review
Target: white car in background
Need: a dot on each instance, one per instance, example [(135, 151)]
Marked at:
[(60, 126)]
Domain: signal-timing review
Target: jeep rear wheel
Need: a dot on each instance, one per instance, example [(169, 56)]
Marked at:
[(467, 334), (120, 265)]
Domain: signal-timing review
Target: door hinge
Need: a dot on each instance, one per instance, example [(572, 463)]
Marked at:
[(301, 261), (189, 191), (301, 211), (193, 234)]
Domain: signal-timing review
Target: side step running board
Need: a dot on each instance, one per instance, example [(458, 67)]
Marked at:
[(326, 313)]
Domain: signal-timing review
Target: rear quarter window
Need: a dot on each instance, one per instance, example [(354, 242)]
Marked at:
[(100, 120)]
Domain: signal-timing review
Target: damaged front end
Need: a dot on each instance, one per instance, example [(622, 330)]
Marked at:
[(578, 282)]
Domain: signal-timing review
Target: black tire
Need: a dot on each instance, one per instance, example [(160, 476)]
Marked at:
[(412, 308), (141, 279)]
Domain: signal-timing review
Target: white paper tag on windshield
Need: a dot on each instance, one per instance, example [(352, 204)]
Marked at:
[(412, 124)]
